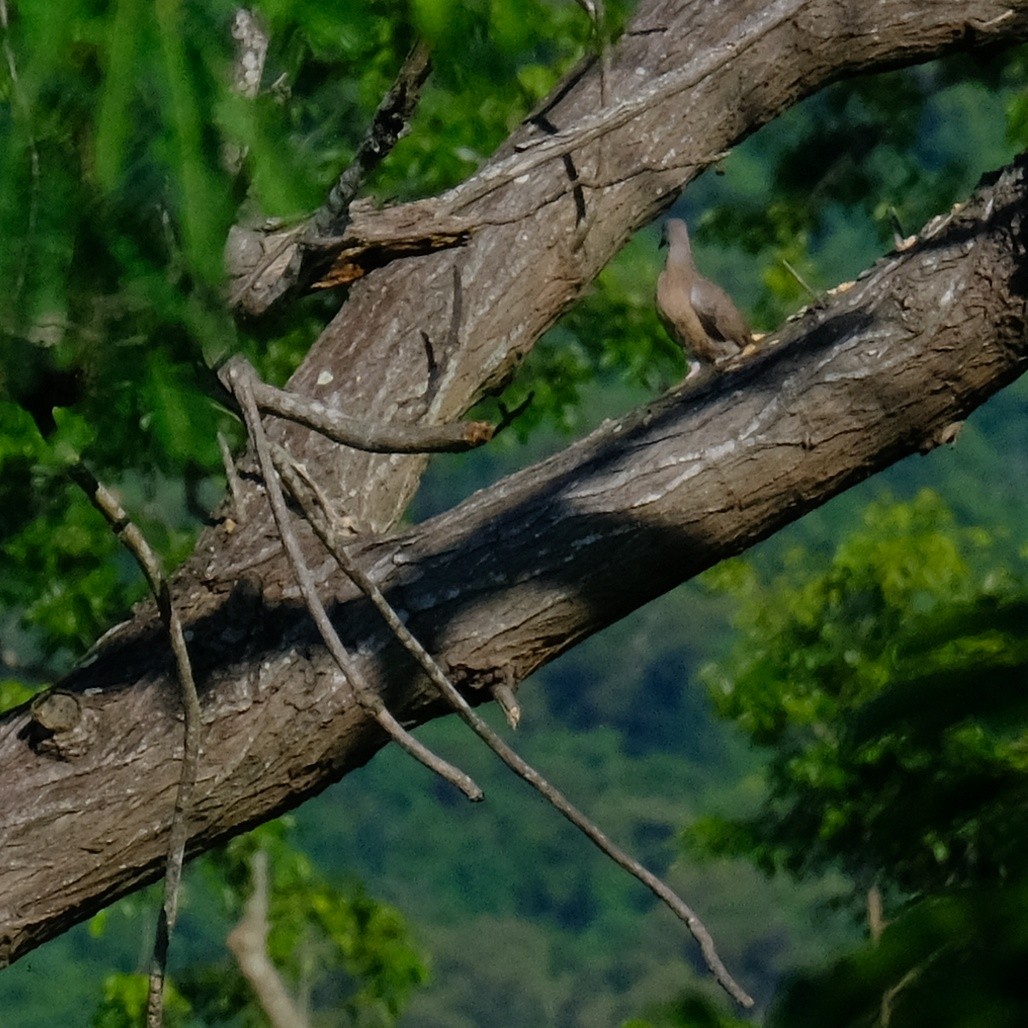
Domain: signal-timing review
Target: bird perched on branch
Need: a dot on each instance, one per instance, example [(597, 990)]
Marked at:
[(698, 314)]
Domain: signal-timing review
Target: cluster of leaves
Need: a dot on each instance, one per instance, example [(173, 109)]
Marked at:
[(886, 685), (348, 957), (113, 217), (889, 690), (955, 959)]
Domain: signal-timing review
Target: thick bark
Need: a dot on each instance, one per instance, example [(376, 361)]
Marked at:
[(519, 573), (688, 80)]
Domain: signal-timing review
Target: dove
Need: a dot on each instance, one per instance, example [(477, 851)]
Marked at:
[(698, 314)]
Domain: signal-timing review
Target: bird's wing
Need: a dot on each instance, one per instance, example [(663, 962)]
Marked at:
[(719, 316)]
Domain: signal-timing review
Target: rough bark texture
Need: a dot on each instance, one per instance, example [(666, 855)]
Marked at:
[(523, 571)]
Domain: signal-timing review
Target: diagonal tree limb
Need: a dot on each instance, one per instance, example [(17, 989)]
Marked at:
[(325, 523), (750, 60), (240, 380), (522, 572)]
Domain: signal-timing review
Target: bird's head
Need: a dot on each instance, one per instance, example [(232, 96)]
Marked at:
[(674, 233)]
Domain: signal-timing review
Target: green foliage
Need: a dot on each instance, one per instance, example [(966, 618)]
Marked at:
[(13, 693), (346, 957), (692, 1011), (954, 960), (114, 207), (352, 954), (58, 566), (888, 686), (124, 1003)]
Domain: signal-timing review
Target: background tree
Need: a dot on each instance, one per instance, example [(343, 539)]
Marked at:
[(889, 689)]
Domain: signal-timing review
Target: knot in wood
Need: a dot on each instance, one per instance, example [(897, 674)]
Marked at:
[(60, 727)]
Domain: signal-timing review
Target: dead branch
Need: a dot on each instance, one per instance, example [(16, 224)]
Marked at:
[(240, 379), (266, 267), (389, 124), (248, 942), (361, 435)]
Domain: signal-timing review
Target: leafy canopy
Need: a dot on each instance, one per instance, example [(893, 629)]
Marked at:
[(888, 687)]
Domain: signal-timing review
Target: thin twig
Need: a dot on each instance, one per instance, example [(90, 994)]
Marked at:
[(898, 235), (890, 995), (235, 485), (239, 379), (800, 279), (456, 437), (388, 125), (178, 834), (321, 518), (508, 415), (506, 699)]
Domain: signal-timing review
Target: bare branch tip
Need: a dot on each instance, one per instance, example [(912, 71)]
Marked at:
[(506, 699)]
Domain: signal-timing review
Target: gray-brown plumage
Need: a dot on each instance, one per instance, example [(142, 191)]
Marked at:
[(698, 314)]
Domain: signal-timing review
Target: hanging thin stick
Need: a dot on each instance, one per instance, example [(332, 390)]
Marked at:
[(235, 484), (240, 380), (324, 521), (178, 834)]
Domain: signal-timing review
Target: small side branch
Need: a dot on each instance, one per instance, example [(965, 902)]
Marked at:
[(266, 268), (325, 523), (506, 699), (240, 380), (389, 124), (135, 542), (252, 42), (453, 438)]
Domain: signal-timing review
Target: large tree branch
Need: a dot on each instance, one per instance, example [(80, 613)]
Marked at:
[(504, 582), (687, 81)]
